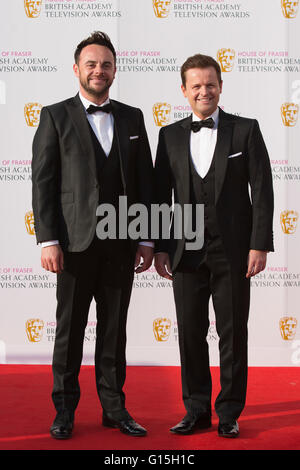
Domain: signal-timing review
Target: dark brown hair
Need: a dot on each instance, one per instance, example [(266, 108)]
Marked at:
[(200, 61), (97, 37)]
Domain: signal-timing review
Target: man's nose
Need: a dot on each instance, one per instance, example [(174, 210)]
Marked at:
[(98, 69), (203, 91)]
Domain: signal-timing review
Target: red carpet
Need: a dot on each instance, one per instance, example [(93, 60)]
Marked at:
[(271, 420)]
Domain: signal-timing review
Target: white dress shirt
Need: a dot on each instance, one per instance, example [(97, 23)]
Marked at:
[(203, 143), (101, 123)]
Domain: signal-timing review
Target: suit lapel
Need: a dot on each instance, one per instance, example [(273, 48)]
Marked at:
[(81, 125), (78, 117), (122, 136), (222, 151), (183, 152)]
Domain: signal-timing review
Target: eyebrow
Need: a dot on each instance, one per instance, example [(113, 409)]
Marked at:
[(94, 62), (206, 84)]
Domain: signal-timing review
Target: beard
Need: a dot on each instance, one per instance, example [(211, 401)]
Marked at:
[(94, 91)]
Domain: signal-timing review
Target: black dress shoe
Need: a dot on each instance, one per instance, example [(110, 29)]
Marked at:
[(190, 424), (62, 426), (125, 423), (228, 429)]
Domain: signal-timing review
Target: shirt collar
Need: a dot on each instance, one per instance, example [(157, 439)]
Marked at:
[(214, 115), (86, 103)]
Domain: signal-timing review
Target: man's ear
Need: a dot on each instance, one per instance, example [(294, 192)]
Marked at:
[(183, 90), (76, 70)]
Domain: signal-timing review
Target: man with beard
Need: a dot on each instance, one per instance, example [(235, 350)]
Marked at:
[(90, 150)]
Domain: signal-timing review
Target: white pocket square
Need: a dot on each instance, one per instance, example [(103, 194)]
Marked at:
[(132, 137), (235, 155)]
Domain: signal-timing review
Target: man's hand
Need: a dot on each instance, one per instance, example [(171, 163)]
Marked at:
[(163, 266), (52, 258), (257, 260), (146, 253)]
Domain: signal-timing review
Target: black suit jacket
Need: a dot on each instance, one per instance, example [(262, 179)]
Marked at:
[(244, 223), (64, 174)]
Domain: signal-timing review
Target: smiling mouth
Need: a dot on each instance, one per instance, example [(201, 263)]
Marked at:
[(98, 81)]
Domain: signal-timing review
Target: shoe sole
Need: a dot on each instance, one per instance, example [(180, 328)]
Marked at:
[(198, 427), (115, 426), (60, 438), (134, 435), (229, 436)]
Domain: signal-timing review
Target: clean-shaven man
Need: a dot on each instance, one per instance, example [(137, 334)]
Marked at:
[(211, 158), (90, 150)]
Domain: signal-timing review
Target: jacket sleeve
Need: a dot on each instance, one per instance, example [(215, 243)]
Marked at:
[(261, 184), (45, 178)]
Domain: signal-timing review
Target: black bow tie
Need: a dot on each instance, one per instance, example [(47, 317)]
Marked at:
[(107, 108), (196, 125)]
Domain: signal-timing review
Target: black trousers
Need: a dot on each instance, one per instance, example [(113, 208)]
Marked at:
[(230, 292), (103, 272)]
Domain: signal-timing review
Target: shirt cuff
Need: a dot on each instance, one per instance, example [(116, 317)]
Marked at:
[(49, 243), (151, 244)]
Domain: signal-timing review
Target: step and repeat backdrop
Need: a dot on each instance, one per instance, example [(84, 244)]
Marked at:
[(257, 45)]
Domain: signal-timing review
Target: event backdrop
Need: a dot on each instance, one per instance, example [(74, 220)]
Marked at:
[(257, 45)]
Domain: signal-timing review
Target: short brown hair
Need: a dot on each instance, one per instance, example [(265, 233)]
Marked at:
[(200, 61), (97, 37)]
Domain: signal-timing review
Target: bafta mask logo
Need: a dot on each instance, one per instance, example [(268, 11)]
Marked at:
[(33, 8), (161, 114), (288, 327), (289, 114), (161, 9), (289, 220), (161, 329), (29, 223), (32, 113), (289, 8), (226, 59), (34, 330)]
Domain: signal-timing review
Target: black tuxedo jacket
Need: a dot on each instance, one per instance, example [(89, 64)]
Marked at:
[(244, 222), (64, 174)]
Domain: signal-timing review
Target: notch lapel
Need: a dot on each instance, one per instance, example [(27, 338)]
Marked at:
[(183, 156), (78, 117), (222, 151), (122, 136)]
